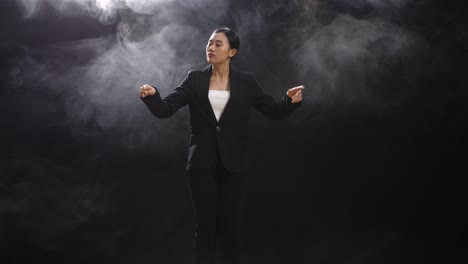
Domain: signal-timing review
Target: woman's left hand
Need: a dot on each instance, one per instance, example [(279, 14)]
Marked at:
[(295, 94)]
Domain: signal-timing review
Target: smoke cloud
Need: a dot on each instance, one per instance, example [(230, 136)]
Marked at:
[(96, 77), (157, 42), (336, 51), (75, 103)]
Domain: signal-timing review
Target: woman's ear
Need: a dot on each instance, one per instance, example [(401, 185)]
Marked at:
[(232, 53)]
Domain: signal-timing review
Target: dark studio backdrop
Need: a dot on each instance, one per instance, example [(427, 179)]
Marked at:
[(369, 170)]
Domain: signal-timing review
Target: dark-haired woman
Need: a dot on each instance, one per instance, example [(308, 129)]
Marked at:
[(219, 100)]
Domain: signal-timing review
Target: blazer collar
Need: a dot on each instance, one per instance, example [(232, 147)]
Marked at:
[(207, 71)]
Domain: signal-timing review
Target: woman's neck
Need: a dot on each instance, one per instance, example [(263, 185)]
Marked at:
[(220, 71)]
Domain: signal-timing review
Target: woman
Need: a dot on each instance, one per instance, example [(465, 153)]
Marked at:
[(219, 99)]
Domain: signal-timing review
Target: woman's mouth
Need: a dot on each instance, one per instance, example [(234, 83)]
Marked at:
[(211, 54)]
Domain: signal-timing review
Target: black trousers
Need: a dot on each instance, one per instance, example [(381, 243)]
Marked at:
[(218, 197)]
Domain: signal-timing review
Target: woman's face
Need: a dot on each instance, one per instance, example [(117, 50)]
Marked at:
[(218, 49)]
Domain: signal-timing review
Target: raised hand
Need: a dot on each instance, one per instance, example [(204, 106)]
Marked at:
[(295, 94), (146, 90)]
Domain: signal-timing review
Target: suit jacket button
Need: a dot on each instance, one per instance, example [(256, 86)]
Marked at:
[(218, 128)]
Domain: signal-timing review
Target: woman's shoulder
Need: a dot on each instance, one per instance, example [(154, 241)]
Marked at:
[(196, 72), (243, 74), (193, 72)]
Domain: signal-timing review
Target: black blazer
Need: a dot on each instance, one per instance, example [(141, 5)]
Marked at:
[(229, 135)]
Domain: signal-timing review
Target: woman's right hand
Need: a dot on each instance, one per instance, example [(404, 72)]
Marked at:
[(146, 90)]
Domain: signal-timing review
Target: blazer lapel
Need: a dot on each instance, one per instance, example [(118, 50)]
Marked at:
[(204, 86), (204, 89), (234, 89)]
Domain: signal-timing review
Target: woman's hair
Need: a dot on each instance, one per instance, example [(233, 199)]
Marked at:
[(233, 39)]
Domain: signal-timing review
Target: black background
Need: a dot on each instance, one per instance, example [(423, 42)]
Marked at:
[(370, 178)]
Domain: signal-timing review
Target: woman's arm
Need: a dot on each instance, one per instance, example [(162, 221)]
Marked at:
[(163, 108), (265, 104)]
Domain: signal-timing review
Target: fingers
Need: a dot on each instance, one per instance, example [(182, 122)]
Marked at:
[(297, 97), (145, 90), (145, 87), (293, 91), (300, 87)]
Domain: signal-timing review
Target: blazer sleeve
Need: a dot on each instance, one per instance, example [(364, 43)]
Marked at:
[(164, 108), (265, 103)]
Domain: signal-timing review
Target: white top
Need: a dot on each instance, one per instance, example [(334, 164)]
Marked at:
[(218, 100)]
